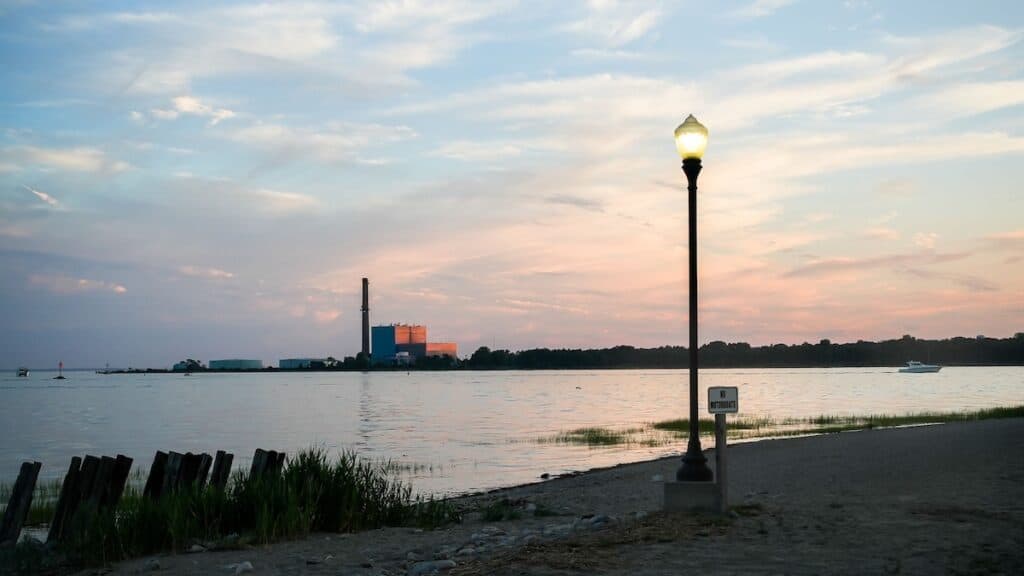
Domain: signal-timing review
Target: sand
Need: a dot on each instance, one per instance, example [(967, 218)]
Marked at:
[(943, 499)]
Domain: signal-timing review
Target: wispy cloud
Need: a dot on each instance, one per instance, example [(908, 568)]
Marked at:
[(62, 284), (973, 97), (191, 106), (80, 159), (882, 233), (617, 22), (331, 142), (760, 8), (202, 272), (828, 266), (43, 196)]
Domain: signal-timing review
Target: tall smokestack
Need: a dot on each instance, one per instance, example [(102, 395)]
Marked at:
[(366, 317)]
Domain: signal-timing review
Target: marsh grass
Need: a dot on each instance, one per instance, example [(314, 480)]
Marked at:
[(499, 511), (313, 493), (667, 432)]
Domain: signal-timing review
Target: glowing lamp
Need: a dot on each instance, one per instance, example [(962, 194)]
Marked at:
[(691, 139)]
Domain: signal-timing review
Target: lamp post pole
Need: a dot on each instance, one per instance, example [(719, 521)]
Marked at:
[(691, 139)]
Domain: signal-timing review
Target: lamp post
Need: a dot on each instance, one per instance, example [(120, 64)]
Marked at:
[(691, 140)]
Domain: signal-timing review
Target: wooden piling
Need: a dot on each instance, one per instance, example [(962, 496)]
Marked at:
[(189, 469), (68, 501), (122, 468), (90, 466), (172, 472), (101, 482), (204, 469), (155, 482), (259, 463), (19, 503), (221, 469)]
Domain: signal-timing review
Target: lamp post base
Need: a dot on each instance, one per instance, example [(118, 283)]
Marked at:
[(694, 468), (692, 497)]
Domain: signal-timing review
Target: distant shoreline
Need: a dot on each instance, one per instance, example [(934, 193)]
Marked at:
[(516, 369)]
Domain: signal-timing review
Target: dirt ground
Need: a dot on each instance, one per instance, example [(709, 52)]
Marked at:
[(944, 499)]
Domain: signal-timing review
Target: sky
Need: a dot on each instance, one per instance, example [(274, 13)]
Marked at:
[(212, 180)]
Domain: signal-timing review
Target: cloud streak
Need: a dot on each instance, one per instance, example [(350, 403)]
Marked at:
[(50, 200)]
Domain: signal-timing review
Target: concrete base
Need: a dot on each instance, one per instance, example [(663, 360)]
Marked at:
[(692, 497)]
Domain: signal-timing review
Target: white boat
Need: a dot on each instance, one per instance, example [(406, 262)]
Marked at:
[(22, 372), (915, 367)]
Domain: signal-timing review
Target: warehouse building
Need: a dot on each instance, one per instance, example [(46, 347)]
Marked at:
[(236, 364), (301, 363)]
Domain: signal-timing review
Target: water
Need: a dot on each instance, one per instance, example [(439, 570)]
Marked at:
[(456, 431)]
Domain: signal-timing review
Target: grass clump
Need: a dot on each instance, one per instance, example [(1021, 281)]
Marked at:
[(666, 432), (313, 493), (499, 511), (593, 436), (682, 425)]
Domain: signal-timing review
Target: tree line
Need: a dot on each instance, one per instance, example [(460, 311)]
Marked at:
[(718, 354)]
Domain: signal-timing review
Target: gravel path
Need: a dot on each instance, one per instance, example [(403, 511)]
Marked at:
[(944, 499)]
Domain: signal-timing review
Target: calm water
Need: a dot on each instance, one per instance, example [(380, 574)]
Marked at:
[(463, 431)]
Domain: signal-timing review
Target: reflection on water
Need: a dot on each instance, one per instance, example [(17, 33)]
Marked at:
[(449, 431)]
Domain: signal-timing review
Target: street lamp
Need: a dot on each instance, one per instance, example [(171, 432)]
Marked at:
[(691, 140)]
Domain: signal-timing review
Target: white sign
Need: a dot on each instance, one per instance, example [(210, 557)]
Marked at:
[(723, 400)]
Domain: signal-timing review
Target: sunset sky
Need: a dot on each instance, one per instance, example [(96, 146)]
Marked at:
[(207, 180)]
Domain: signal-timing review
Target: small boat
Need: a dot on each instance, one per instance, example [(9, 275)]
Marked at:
[(915, 367), (22, 372)]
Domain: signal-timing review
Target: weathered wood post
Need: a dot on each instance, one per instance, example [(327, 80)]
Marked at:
[(155, 482), (90, 466), (19, 503), (118, 479), (172, 472), (204, 469), (259, 463), (68, 501), (221, 469), (101, 482)]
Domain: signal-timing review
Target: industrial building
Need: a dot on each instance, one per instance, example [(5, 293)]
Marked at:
[(236, 364), (300, 363), (396, 341)]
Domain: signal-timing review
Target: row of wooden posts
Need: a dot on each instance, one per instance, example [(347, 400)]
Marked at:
[(97, 483)]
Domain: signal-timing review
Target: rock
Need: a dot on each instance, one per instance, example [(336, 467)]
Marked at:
[(493, 531), (413, 556), (531, 508), (430, 567), (240, 568), (557, 529), (657, 478), (195, 548), (444, 553), (467, 551), (151, 565), (640, 515), (545, 476)]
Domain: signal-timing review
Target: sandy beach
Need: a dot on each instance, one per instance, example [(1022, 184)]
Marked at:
[(943, 499)]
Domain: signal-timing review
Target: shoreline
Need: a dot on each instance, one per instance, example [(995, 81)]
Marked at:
[(413, 368), (919, 500)]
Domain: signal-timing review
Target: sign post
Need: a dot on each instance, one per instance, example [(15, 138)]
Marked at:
[(722, 400)]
